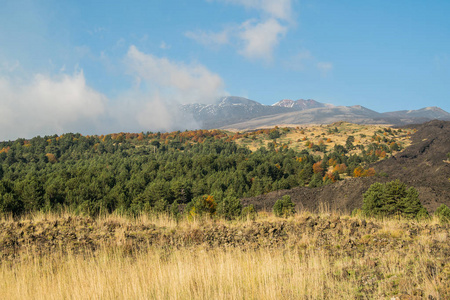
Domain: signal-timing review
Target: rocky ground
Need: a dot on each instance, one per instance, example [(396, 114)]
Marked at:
[(369, 246)]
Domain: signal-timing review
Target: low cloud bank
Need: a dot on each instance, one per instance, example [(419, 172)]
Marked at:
[(66, 103)]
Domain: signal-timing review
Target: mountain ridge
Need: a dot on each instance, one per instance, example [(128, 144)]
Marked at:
[(233, 112)]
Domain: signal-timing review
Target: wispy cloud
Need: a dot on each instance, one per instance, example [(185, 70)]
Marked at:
[(211, 39), (164, 46), (179, 82), (256, 39), (325, 68), (260, 39), (304, 60), (299, 61)]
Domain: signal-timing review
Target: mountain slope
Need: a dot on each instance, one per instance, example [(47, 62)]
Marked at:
[(322, 115), (229, 110), (300, 104), (427, 112), (242, 113), (421, 165)]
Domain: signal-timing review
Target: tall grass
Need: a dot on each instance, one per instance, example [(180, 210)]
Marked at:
[(226, 273), (200, 274)]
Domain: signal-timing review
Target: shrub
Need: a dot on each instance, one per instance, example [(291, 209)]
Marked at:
[(284, 207), (392, 198), (203, 205), (248, 213), (229, 208), (274, 134), (443, 213)]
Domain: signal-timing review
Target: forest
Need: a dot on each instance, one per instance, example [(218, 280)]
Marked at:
[(155, 172)]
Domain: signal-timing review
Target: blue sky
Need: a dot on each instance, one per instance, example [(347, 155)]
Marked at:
[(109, 66)]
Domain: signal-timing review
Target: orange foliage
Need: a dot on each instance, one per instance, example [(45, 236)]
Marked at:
[(51, 157), (360, 172), (330, 176), (317, 167), (340, 168), (332, 162), (5, 149)]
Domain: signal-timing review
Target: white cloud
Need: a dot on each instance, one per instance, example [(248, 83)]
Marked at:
[(256, 39), (161, 85), (177, 82), (261, 38), (46, 105)]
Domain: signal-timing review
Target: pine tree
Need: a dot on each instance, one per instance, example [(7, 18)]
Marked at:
[(392, 198), (284, 207)]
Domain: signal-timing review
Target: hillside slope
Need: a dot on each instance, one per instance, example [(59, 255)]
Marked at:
[(421, 165), (322, 115)]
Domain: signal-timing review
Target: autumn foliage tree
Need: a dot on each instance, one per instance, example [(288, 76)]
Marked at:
[(361, 172), (204, 205)]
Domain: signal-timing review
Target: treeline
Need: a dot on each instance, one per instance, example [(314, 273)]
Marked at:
[(132, 173)]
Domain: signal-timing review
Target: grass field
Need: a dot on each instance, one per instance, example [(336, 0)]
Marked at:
[(309, 256), (297, 137)]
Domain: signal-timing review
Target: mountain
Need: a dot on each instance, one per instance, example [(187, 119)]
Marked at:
[(300, 104), (322, 115), (427, 112), (241, 113), (229, 110)]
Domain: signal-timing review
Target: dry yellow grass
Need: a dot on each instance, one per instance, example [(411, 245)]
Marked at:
[(216, 274), (321, 133), (300, 270)]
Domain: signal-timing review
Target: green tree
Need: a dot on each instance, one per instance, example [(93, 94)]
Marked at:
[(284, 207), (392, 198), (274, 134), (229, 208), (248, 213)]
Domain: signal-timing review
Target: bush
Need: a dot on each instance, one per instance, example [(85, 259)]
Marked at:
[(443, 213), (229, 208), (203, 205), (284, 207), (248, 213), (393, 198)]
